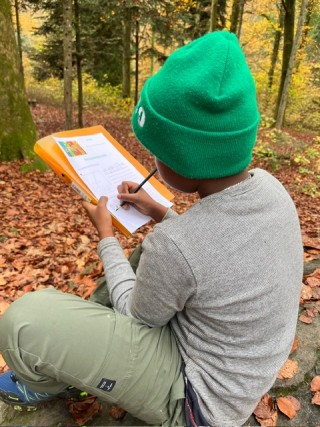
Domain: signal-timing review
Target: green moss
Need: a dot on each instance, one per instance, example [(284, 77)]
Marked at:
[(17, 130)]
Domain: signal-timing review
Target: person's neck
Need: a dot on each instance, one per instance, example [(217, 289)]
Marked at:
[(211, 186)]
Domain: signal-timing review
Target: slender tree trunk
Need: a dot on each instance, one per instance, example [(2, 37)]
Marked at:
[(17, 130), (288, 37), (67, 61), (297, 40), (79, 62), (18, 29), (136, 93), (213, 15), (306, 28), (126, 59), (153, 36), (274, 55), (235, 16), (242, 3)]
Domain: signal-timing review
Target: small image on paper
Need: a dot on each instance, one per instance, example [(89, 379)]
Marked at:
[(72, 148)]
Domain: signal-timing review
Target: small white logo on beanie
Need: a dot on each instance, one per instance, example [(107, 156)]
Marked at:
[(141, 117)]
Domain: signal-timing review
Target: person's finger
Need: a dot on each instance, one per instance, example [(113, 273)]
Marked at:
[(103, 201), (88, 206), (128, 197), (127, 187)]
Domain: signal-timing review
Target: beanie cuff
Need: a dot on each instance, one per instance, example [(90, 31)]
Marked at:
[(179, 147)]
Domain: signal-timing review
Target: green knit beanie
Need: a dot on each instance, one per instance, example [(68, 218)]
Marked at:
[(199, 114)]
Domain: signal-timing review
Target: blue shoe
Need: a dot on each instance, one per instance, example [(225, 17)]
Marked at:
[(14, 392)]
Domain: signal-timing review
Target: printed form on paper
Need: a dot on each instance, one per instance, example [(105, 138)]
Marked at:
[(102, 168)]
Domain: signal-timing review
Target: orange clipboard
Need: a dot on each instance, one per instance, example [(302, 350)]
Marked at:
[(49, 151)]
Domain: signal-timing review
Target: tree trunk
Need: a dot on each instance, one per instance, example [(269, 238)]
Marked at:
[(213, 15), (126, 58), (297, 40), (17, 130), (136, 93), (67, 61), (242, 3), (18, 28), (79, 62), (274, 56), (306, 28), (235, 15), (153, 37), (288, 36)]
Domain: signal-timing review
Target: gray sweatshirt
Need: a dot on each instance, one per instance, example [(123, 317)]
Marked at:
[(226, 275)]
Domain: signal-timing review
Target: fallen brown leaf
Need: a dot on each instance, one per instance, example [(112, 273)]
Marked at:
[(315, 384), (306, 292), (315, 293), (295, 402), (305, 319), (265, 407), (2, 362), (312, 281), (286, 407), (288, 370), (311, 242), (269, 422), (116, 412), (85, 409), (316, 398), (295, 345)]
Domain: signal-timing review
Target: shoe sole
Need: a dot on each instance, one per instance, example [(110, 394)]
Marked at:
[(27, 407)]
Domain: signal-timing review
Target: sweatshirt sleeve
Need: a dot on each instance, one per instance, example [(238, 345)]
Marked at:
[(161, 286)]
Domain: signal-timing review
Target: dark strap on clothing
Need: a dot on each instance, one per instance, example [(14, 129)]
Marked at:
[(194, 416)]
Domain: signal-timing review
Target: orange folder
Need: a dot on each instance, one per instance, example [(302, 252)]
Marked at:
[(50, 152)]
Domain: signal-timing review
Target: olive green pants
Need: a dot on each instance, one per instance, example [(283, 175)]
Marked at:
[(52, 339)]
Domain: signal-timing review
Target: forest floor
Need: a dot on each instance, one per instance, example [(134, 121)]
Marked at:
[(47, 240)]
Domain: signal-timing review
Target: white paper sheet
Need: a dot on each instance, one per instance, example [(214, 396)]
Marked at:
[(102, 167)]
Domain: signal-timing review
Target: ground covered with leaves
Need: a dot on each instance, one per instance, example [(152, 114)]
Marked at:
[(47, 240)]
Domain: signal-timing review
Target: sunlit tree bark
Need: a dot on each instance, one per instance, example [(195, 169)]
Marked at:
[(67, 61), (288, 37), (17, 130), (297, 40)]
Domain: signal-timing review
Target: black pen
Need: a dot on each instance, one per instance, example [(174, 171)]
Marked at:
[(139, 187)]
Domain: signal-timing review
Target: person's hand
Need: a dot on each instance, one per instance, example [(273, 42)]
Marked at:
[(140, 200), (100, 217)]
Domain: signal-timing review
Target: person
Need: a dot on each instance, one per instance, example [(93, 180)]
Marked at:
[(204, 312)]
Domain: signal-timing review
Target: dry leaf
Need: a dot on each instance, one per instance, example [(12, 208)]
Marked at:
[(310, 312), (116, 412), (315, 384), (265, 407), (288, 370), (306, 292), (305, 319), (316, 273), (311, 242), (315, 293), (286, 407), (269, 422), (295, 402), (2, 362), (312, 282), (316, 398), (85, 409), (295, 345)]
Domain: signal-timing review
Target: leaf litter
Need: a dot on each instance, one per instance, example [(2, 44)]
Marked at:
[(46, 239)]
